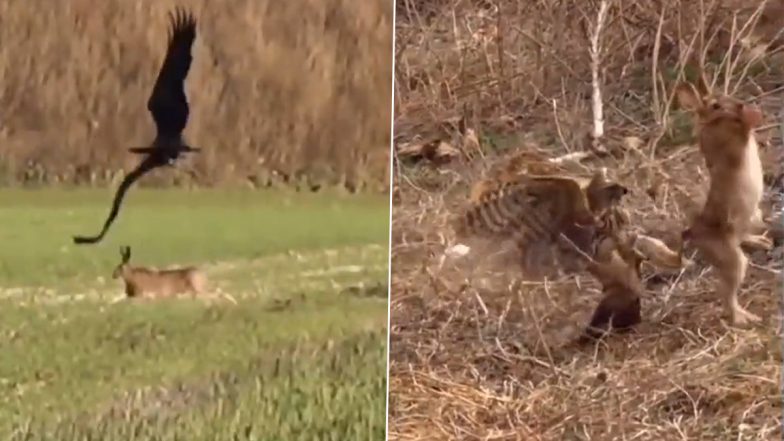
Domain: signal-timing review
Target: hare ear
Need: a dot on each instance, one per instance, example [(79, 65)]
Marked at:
[(703, 85), (688, 97)]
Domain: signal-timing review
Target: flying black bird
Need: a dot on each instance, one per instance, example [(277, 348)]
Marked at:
[(169, 108)]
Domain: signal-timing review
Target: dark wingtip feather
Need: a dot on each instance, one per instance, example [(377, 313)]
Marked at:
[(181, 20)]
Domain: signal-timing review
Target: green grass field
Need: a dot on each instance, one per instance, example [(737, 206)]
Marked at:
[(302, 356)]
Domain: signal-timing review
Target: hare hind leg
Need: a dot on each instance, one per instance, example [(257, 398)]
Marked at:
[(730, 282), (726, 256), (119, 299), (219, 293)]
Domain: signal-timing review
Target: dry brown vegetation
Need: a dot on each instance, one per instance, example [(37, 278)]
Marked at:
[(299, 89), (477, 352)]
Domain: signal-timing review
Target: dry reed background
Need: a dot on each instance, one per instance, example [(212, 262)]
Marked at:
[(299, 89), (477, 353)]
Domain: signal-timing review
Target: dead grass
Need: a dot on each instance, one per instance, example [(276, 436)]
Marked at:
[(297, 88), (477, 352)]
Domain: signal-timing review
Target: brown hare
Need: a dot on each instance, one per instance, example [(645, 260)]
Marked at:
[(150, 283), (731, 215)]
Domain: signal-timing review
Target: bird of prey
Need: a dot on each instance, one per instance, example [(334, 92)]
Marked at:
[(169, 108)]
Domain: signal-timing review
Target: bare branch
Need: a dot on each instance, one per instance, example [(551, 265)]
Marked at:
[(594, 50)]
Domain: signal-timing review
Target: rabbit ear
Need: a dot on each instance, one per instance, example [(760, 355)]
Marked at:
[(125, 253), (689, 97), (703, 86)]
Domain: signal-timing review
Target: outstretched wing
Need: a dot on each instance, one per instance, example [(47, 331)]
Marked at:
[(533, 211), (563, 197), (570, 217), (542, 202), (168, 104), (145, 166)]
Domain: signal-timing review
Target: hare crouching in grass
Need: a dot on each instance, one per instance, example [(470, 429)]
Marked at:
[(149, 283), (731, 213)]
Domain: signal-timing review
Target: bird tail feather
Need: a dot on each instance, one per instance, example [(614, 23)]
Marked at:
[(148, 150), (142, 150)]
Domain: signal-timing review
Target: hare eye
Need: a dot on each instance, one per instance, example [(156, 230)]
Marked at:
[(716, 106)]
